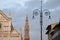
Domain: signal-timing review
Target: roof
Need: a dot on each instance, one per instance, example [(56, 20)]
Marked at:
[(2, 13), (58, 25), (48, 27), (51, 26), (54, 25)]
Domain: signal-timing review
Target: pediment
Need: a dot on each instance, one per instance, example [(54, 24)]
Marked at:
[(14, 31), (3, 17)]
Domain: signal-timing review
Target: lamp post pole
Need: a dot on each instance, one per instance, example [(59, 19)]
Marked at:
[(41, 19), (35, 13)]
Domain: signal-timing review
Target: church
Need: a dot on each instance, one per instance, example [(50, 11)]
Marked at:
[(8, 32)]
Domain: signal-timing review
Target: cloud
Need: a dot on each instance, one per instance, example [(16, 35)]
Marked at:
[(12, 3), (45, 1), (52, 4), (55, 9)]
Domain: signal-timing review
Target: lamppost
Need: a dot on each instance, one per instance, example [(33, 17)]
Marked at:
[(41, 11)]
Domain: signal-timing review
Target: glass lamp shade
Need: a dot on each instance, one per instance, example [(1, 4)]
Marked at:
[(33, 17), (49, 17)]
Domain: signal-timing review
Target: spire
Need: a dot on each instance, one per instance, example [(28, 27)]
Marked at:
[(26, 19), (21, 38), (10, 17), (26, 25), (20, 30), (9, 14), (26, 31)]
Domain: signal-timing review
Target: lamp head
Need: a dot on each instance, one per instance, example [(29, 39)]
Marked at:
[(49, 17), (33, 17)]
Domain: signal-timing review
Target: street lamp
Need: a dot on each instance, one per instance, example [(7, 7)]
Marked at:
[(40, 11)]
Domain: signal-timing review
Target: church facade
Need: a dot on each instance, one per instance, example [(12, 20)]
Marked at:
[(8, 32)]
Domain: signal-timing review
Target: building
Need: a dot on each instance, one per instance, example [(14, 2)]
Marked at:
[(7, 31), (26, 30), (53, 31)]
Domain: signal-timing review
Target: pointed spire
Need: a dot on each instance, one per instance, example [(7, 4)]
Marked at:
[(26, 30), (21, 38), (26, 19), (9, 14), (20, 30), (26, 25)]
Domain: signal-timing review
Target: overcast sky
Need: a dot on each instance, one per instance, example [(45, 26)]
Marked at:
[(20, 8)]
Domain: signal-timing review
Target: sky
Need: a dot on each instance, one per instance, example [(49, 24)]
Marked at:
[(20, 8)]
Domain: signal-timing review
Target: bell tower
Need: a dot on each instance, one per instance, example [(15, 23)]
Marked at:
[(26, 30)]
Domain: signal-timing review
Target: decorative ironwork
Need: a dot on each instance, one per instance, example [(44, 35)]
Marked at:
[(40, 11)]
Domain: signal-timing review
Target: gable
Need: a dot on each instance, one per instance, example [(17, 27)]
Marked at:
[(3, 17), (14, 31)]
